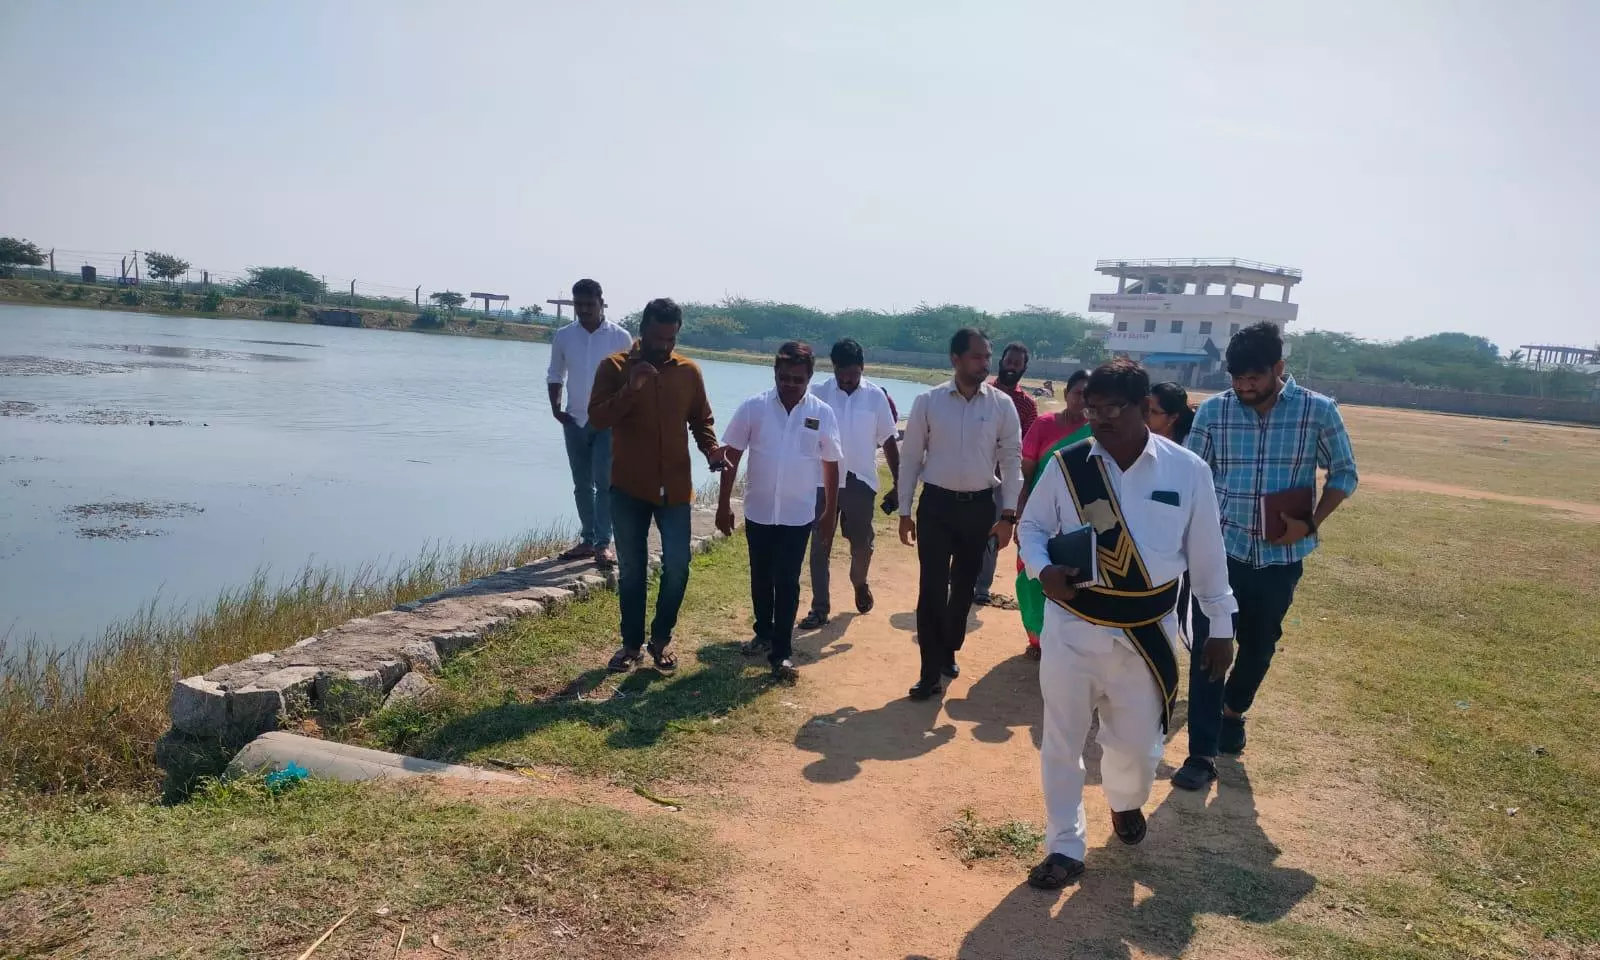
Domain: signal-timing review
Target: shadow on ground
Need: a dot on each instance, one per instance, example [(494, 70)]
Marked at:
[(1199, 858), (634, 712)]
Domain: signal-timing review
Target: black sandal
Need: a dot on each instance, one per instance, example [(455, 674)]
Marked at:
[(1129, 825), (662, 657), (623, 660), (1055, 872)]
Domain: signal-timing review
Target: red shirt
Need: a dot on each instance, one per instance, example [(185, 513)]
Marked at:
[(1027, 412)]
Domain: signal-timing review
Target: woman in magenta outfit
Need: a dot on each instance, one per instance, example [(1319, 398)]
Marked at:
[(1047, 435)]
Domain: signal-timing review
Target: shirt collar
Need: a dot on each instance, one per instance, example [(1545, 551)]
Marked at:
[(949, 386), (1149, 451)]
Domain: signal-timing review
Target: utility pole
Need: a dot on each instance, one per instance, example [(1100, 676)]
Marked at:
[(52, 263), (418, 295), (352, 293)]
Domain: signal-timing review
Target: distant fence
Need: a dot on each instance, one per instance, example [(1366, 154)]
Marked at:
[(1454, 401)]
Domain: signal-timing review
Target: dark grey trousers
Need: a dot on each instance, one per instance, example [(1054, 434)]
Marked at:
[(856, 503)]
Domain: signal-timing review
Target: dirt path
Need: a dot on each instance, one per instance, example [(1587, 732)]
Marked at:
[(841, 840), (1586, 511)]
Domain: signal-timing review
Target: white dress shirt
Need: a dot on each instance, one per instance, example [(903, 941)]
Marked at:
[(962, 444), (1171, 539), (574, 355), (865, 423), (786, 449)]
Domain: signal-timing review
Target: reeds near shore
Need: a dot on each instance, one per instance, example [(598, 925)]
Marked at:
[(87, 719)]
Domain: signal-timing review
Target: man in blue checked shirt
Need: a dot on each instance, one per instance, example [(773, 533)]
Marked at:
[(1266, 435)]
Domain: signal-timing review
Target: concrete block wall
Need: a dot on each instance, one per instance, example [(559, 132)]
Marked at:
[(349, 668)]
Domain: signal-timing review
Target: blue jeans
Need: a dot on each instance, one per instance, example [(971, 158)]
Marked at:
[(632, 519), (589, 456), (1265, 595)]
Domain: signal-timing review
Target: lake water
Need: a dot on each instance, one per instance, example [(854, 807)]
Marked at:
[(274, 445)]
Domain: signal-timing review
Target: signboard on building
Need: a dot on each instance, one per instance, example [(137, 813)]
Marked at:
[(1112, 302)]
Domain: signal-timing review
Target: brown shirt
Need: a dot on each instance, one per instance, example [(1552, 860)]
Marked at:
[(650, 427)]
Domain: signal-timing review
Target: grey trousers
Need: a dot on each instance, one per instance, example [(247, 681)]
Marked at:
[(856, 503)]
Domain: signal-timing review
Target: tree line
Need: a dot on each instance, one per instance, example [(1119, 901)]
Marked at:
[(1447, 361), (1048, 334)]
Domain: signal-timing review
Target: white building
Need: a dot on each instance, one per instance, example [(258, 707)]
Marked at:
[(1176, 316)]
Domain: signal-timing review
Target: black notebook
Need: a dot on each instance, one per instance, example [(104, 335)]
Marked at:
[(1076, 549)]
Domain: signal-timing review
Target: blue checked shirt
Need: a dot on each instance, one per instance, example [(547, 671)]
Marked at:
[(1251, 456)]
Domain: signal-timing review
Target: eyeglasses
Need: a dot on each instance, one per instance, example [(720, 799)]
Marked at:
[(1105, 411)]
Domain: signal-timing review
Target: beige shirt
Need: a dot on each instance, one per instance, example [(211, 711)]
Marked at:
[(962, 444)]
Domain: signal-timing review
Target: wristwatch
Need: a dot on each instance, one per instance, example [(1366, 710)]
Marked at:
[(1010, 518)]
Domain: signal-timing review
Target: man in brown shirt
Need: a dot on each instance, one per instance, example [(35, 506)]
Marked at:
[(651, 398)]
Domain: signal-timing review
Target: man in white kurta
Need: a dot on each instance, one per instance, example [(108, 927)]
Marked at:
[(1168, 504)]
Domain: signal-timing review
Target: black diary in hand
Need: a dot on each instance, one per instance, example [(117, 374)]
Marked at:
[(1076, 549)]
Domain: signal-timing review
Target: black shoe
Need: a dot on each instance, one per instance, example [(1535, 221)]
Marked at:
[(784, 672), (924, 690), (1033, 652), (1055, 872), (864, 599), (813, 621), (980, 600), (1129, 825), (757, 645), (952, 670), (1230, 739), (1195, 774), (623, 660)]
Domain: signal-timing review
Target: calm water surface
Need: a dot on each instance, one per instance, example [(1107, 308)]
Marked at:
[(274, 445)]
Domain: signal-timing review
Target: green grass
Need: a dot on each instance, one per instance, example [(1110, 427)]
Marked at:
[(239, 872), (1460, 637), (537, 693), (1510, 457), (973, 838), (88, 719)]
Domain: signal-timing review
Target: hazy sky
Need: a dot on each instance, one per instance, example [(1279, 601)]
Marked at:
[(1429, 165)]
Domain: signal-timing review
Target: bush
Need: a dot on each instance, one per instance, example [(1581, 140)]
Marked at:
[(288, 309), (55, 291), (211, 302), (500, 328), (77, 292), (175, 299), (130, 297), (428, 320)]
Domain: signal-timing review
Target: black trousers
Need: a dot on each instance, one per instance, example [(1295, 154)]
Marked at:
[(952, 535), (1265, 595), (777, 553)]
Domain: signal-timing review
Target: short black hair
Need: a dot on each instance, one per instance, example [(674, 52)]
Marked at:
[(586, 288), (847, 353), (1017, 345), (1077, 375), (796, 352), (661, 310), (1255, 349), (962, 339), (1121, 379)]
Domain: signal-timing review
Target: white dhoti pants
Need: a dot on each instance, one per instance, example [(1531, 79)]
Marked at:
[(1084, 669)]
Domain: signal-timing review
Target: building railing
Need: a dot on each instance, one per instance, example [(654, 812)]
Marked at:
[(1201, 263)]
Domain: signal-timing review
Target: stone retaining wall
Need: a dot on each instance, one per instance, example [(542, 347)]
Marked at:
[(349, 668)]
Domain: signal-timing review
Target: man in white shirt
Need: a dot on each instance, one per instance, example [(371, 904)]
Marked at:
[(1114, 645), (575, 352), (793, 441), (960, 436), (866, 422)]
